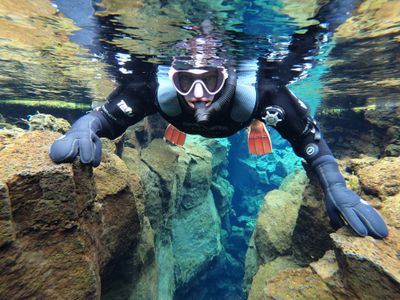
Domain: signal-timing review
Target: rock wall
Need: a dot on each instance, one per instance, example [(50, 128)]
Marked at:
[(60, 225), (137, 228), (317, 263)]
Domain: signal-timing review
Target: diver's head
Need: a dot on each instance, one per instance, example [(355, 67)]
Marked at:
[(198, 85), (201, 76)]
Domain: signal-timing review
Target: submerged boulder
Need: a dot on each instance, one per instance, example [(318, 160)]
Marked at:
[(196, 240), (369, 267), (57, 237), (276, 222), (353, 267), (182, 212)]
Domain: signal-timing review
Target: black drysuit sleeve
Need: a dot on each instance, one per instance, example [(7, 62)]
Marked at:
[(297, 126), (132, 100)]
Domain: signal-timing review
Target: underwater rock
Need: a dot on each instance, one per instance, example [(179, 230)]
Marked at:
[(8, 136), (359, 267), (221, 188), (381, 178), (268, 271), (184, 176), (252, 263), (44, 209), (182, 212), (57, 238), (142, 133), (188, 213), (310, 237), (273, 233), (195, 239), (223, 194), (328, 270), (116, 192), (219, 149), (276, 222), (40, 121), (299, 284), (198, 177), (252, 175), (370, 268)]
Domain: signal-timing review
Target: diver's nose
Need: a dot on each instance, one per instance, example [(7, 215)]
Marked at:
[(198, 90)]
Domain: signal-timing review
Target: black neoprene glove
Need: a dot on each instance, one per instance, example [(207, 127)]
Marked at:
[(81, 140), (343, 206)]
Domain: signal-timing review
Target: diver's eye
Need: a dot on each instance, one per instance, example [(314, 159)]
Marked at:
[(185, 82), (210, 82)]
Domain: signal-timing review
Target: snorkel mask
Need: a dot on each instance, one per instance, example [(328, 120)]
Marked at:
[(199, 84)]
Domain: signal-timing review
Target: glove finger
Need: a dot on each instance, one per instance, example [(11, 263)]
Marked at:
[(333, 214), (97, 150), (64, 149), (86, 150), (372, 220), (354, 221)]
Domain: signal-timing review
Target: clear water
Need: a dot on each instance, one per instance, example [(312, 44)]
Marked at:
[(65, 59), (60, 58)]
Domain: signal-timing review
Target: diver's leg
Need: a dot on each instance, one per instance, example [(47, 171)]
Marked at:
[(290, 116)]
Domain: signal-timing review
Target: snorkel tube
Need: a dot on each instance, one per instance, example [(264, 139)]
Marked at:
[(203, 113)]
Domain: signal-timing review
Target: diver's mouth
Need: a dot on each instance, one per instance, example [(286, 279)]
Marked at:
[(192, 102)]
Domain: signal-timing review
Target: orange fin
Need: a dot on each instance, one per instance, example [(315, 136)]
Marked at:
[(258, 139), (174, 135)]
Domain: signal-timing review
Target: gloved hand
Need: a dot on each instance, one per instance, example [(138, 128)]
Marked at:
[(80, 140), (345, 206)]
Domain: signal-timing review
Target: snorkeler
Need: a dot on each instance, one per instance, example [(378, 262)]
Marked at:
[(206, 96)]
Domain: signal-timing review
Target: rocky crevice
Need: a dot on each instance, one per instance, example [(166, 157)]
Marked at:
[(339, 265), (51, 226)]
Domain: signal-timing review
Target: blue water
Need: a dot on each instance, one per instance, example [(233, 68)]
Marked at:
[(76, 53)]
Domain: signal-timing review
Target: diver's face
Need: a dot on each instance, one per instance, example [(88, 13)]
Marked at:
[(199, 85)]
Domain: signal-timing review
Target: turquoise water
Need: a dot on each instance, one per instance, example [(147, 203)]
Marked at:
[(62, 59)]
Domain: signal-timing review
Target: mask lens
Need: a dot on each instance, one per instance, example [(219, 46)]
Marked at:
[(212, 80), (185, 82)]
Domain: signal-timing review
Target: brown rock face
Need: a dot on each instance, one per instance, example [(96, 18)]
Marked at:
[(298, 284), (381, 178), (56, 236), (358, 268), (369, 267)]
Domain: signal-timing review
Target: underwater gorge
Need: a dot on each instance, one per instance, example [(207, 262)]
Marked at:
[(151, 220), (207, 220)]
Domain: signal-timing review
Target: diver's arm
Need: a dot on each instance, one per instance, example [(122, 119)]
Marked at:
[(127, 105), (289, 115)]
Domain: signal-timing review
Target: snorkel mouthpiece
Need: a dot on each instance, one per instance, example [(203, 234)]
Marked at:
[(201, 114)]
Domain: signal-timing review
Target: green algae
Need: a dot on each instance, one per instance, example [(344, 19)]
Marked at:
[(357, 109), (47, 103)]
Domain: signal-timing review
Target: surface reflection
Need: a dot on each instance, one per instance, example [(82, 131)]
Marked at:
[(60, 52), (38, 61)]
